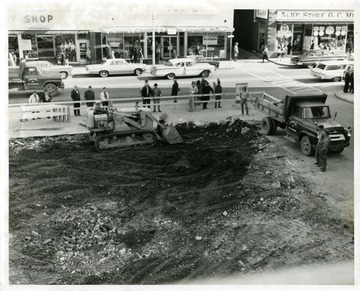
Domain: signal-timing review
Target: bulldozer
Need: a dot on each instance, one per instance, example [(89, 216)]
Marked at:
[(113, 128)]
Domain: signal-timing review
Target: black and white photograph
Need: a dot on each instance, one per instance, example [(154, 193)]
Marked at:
[(244, 178)]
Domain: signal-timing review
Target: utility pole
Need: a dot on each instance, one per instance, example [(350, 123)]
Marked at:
[(231, 36), (153, 38)]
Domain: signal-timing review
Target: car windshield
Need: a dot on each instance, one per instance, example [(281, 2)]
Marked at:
[(168, 63), (321, 66)]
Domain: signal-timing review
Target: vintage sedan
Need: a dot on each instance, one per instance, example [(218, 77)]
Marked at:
[(47, 67), (181, 67), (115, 67), (202, 59), (310, 58)]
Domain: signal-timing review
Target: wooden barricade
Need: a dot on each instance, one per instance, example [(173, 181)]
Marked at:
[(59, 113)]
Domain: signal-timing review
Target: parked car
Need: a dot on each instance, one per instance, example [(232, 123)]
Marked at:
[(312, 57), (116, 67), (202, 59), (48, 67), (181, 67), (331, 70)]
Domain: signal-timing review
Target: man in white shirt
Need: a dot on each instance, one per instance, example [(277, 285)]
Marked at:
[(104, 95), (34, 98)]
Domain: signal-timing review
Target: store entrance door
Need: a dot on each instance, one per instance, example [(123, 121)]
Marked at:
[(168, 45), (83, 45)]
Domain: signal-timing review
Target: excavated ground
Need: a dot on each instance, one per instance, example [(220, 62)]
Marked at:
[(223, 203)]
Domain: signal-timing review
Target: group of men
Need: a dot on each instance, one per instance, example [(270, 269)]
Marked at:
[(155, 93), (90, 96)]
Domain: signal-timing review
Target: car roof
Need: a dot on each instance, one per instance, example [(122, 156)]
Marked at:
[(181, 60), (344, 62)]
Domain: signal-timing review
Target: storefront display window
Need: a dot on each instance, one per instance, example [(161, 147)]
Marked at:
[(209, 44), (284, 35), (65, 43), (330, 37)]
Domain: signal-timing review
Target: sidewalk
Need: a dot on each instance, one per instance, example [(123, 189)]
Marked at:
[(77, 124)]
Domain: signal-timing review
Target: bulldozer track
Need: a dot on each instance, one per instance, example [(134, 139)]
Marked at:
[(125, 140)]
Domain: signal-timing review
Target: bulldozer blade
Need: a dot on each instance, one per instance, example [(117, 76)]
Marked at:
[(171, 135)]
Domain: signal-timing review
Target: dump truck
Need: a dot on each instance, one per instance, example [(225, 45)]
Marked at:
[(300, 116), (27, 77)]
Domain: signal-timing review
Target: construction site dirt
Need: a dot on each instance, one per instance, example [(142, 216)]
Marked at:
[(225, 203)]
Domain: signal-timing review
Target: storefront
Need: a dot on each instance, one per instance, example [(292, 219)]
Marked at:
[(306, 30), (130, 31)]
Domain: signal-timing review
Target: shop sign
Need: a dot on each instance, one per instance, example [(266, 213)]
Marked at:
[(25, 44), (210, 40), (315, 15), (261, 13), (171, 31)]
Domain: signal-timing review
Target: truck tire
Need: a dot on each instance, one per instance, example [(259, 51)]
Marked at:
[(305, 146), (138, 72), (267, 126), (205, 73), (51, 89), (337, 151)]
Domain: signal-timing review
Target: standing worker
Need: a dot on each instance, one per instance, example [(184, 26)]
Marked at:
[(244, 96), (75, 96), (218, 92), (174, 91), (89, 95), (206, 94), (104, 95), (146, 94), (322, 148), (236, 51), (156, 97), (34, 98), (265, 53)]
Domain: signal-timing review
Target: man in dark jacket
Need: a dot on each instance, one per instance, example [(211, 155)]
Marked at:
[(347, 81), (89, 95), (75, 96), (206, 94), (146, 93)]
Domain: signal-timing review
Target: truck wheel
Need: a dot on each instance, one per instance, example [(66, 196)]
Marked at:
[(170, 76), (267, 126), (306, 147), (51, 89), (104, 74)]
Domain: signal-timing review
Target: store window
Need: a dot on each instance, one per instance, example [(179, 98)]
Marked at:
[(65, 43), (283, 37), (330, 37), (45, 44), (211, 45)]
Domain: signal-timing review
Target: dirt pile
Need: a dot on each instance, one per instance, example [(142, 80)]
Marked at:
[(226, 202)]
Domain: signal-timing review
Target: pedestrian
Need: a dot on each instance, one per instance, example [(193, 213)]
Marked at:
[(146, 94), (347, 81), (75, 96), (193, 91), (352, 85), (244, 96), (206, 94), (173, 54), (279, 51), (141, 56), (89, 95), (34, 98), (322, 148), (156, 93), (202, 84), (265, 53), (218, 92), (45, 97), (174, 90), (104, 95), (158, 52), (236, 51), (289, 48), (88, 55)]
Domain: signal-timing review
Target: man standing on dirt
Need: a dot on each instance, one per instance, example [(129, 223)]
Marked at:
[(146, 93), (89, 95), (206, 94), (322, 148)]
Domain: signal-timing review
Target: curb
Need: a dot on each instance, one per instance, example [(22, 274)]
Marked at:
[(348, 97)]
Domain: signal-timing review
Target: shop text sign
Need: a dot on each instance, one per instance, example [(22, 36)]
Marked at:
[(315, 15), (210, 40)]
